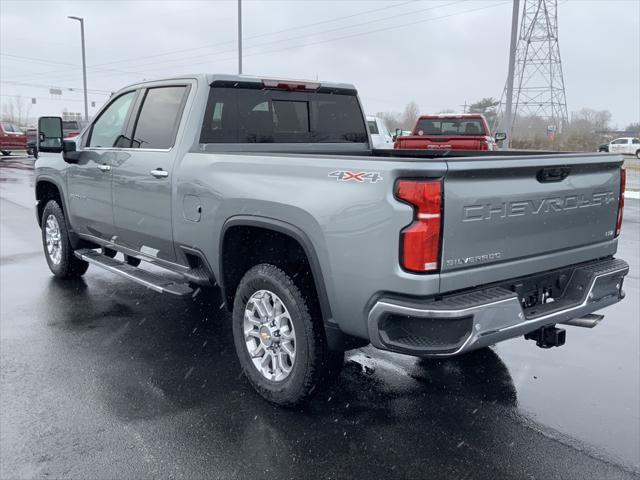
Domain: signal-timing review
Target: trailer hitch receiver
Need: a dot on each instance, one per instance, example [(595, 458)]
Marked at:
[(547, 337)]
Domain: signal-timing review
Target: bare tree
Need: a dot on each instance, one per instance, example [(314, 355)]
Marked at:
[(16, 110), (390, 119), (409, 116), (583, 133), (404, 121)]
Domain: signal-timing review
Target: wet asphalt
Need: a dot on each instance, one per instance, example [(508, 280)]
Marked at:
[(102, 378)]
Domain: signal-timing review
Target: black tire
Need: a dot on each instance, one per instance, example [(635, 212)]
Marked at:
[(314, 363), (638, 154), (133, 261), (30, 152), (6, 153), (68, 265)]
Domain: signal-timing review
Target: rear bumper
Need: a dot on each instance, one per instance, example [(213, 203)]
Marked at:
[(480, 317)]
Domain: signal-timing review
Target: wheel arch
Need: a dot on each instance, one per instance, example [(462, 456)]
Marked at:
[(283, 228), (48, 189)]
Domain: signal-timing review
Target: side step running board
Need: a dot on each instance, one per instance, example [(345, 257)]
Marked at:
[(143, 277)]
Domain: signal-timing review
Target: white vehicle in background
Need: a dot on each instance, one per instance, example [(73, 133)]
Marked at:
[(380, 135), (625, 145)]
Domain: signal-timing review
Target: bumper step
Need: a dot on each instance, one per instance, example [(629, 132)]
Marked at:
[(465, 321), (143, 277)]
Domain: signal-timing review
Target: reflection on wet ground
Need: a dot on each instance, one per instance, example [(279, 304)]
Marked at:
[(103, 379)]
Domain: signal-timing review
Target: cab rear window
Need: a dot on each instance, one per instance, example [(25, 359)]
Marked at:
[(450, 126), (252, 115)]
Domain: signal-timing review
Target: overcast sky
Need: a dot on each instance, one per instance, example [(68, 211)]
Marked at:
[(439, 53)]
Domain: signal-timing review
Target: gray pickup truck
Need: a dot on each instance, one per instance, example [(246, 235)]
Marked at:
[(270, 191)]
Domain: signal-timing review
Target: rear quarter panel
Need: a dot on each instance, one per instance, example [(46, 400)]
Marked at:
[(353, 226)]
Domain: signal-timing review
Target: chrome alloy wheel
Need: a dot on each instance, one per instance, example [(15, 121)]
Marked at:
[(269, 335), (52, 238)]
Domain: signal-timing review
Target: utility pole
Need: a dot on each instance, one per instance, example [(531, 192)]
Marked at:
[(84, 67), (239, 37), (508, 116)]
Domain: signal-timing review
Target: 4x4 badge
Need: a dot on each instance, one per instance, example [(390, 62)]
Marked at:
[(361, 177)]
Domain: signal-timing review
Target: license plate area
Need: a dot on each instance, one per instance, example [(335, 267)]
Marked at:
[(566, 288)]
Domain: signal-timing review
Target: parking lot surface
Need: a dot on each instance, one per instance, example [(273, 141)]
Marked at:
[(102, 378)]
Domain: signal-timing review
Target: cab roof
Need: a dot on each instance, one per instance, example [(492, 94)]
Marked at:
[(210, 78)]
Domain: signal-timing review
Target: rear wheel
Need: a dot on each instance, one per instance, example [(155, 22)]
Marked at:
[(281, 347), (6, 153), (638, 154), (57, 248)]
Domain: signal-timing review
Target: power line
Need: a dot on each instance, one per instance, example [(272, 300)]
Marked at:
[(289, 39), (55, 62), (331, 39), (135, 59), (40, 85), (358, 34), (326, 40), (44, 98), (66, 71)]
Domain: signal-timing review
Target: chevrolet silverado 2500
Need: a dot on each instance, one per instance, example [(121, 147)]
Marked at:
[(270, 191)]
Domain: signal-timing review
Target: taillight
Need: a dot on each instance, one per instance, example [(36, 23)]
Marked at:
[(623, 184), (420, 241)]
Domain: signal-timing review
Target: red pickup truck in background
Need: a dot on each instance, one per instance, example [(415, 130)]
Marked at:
[(469, 131), (11, 138)]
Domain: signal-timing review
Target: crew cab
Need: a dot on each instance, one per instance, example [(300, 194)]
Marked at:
[(270, 191), (625, 145), (11, 138), (449, 132)]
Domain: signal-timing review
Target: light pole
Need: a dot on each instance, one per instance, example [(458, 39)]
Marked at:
[(84, 67), (239, 37)]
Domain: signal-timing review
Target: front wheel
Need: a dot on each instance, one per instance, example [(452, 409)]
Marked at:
[(281, 347), (638, 154), (57, 248)]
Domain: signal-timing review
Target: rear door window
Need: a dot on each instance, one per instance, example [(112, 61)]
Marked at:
[(159, 117), (251, 115), (373, 128)]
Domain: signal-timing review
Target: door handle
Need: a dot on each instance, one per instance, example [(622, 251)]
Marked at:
[(104, 168), (159, 173)]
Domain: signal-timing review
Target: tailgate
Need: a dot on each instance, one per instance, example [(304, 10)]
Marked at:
[(422, 142), (499, 210)]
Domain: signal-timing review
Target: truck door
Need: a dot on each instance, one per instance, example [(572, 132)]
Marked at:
[(142, 182), (89, 180), (618, 146)]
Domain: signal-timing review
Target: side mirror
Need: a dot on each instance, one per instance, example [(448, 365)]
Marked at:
[(500, 136), (50, 134), (69, 153)]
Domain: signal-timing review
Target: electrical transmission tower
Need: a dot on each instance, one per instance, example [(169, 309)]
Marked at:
[(535, 86)]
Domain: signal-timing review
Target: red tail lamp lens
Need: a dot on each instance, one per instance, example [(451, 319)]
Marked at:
[(421, 240)]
